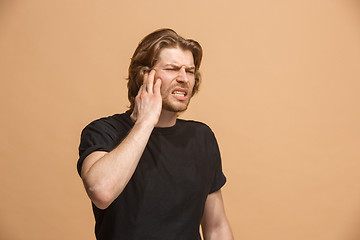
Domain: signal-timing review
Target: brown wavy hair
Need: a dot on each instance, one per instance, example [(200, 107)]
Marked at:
[(147, 52)]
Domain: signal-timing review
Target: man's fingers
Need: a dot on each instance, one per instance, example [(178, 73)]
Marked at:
[(140, 90), (157, 86), (150, 82), (143, 86)]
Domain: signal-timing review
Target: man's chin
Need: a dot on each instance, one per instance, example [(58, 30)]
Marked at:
[(177, 108)]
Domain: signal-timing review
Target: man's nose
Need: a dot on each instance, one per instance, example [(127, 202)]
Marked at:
[(182, 76)]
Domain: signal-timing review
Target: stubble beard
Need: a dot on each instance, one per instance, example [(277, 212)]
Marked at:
[(172, 105)]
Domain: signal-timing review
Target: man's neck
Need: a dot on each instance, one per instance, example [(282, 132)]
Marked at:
[(167, 119)]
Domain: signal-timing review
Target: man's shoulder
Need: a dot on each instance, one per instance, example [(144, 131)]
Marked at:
[(112, 121), (195, 125), (107, 119), (192, 123)]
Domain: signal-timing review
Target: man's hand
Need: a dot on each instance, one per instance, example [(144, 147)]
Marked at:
[(148, 102), (105, 175)]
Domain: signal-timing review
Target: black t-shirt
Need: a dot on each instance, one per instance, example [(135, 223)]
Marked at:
[(166, 195)]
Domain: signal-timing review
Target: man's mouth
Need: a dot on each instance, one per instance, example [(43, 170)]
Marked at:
[(179, 93)]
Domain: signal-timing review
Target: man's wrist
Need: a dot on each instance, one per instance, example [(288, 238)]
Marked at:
[(144, 125)]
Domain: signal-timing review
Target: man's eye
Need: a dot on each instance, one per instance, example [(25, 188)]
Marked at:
[(171, 69), (190, 71)]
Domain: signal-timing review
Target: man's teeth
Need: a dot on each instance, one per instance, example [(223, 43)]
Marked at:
[(179, 93)]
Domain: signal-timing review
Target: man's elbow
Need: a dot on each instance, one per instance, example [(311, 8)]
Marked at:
[(221, 231), (100, 196)]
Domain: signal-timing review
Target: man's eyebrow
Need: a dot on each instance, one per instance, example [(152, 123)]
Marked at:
[(179, 66)]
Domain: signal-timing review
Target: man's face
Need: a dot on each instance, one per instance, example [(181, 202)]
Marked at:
[(175, 67)]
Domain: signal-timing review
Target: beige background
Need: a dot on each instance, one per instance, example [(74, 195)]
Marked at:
[(281, 91)]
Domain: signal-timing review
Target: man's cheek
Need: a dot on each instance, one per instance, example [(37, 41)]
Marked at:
[(163, 92), (157, 76)]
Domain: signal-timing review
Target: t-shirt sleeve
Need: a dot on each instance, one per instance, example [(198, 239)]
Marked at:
[(219, 178), (97, 136)]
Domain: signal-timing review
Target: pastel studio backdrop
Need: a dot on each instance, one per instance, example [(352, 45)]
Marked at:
[(280, 89)]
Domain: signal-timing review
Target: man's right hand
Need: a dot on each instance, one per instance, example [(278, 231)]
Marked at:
[(148, 102), (105, 174)]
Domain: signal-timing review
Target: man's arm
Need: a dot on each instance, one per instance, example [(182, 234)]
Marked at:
[(214, 223), (105, 175)]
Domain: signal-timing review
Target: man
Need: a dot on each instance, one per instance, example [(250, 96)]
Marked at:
[(149, 174)]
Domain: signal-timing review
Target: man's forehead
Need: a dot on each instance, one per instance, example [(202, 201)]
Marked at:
[(176, 56)]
